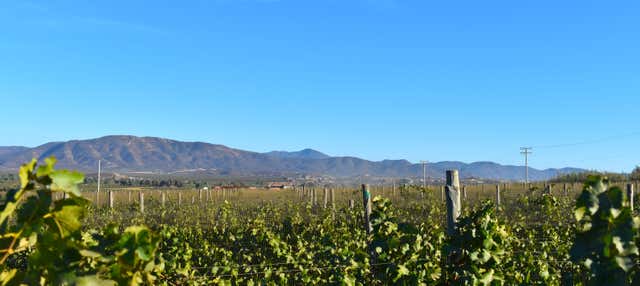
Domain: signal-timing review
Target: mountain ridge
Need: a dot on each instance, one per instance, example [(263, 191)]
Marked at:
[(127, 153)]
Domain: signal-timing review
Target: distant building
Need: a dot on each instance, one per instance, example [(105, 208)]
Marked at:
[(280, 185)]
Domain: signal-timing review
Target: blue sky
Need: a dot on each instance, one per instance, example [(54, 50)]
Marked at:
[(433, 80)]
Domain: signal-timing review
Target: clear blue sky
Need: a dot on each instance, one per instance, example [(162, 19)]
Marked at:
[(435, 80)]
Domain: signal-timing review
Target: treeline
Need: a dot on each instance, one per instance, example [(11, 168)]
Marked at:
[(133, 182), (159, 182), (613, 177)]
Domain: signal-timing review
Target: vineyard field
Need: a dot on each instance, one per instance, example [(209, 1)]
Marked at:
[(538, 234)]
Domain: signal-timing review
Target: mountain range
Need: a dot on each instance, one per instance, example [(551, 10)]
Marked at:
[(120, 153)]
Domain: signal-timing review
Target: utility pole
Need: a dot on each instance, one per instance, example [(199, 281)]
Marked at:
[(424, 173), (99, 176), (526, 151)]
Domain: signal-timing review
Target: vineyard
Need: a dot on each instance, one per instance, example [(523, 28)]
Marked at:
[(54, 232)]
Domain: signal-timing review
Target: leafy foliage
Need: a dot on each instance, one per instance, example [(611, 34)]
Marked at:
[(403, 247), (607, 231), (477, 250), (42, 240), (635, 174)]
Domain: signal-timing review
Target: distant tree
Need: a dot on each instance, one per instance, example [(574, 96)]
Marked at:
[(635, 174), (582, 177)]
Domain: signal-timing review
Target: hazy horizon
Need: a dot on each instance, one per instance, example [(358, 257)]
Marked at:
[(331, 155)]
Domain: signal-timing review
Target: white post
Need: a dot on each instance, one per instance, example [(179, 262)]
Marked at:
[(141, 199), (99, 170)]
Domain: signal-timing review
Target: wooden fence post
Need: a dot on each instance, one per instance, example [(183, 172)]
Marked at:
[(393, 190), (333, 204), (366, 200), (179, 198), (163, 198), (111, 199), (313, 196), (442, 195), (498, 195), (310, 195), (464, 192), (453, 200), (630, 195), (351, 204), (326, 198), (129, 197), (141, 201)]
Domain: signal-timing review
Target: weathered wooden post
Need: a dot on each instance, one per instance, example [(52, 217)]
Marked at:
[(442, 195), (453, 200), (464, 192), (393, 190), (141, 201), (366, 200), (129, 197), (630, 195), (163, 198), (313, 196), (111, 199), (351, 204), (179, 198), (498, 195), (564, 189), (64, 196), (325, 198), (333, 204), (200, 195), (193, 200)]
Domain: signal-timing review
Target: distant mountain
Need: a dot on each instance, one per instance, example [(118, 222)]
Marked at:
[(151, 154), (302, 154), (7, 151)]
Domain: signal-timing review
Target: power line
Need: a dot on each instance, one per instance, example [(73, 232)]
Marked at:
[(586, 142)]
